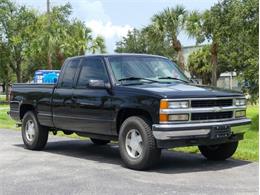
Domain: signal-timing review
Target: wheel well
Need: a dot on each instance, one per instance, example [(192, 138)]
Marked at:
[(127, 112), (25, 108)]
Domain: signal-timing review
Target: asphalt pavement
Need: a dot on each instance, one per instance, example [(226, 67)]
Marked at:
[(71, 166)]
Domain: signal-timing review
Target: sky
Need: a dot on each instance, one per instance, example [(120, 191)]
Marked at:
[(112, 19)]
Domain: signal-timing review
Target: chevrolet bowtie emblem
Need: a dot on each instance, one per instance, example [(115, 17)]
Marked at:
[(217, 109)]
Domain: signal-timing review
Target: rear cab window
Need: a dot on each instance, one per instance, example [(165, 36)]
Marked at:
[(69, 73)]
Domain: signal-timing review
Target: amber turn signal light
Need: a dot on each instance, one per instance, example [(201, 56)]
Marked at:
[(164, 104), (163, 117)]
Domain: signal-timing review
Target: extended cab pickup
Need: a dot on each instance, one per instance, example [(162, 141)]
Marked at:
[(143, 101)]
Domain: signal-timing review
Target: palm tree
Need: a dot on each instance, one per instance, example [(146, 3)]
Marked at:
[(98, 44), (167, 25), (202, 26), (79, 39)]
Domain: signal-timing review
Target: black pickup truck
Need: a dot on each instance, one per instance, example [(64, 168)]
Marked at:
[(143, 101)]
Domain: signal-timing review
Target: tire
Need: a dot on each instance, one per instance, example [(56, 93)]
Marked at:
[(149, 155), (40, 137), (219, 152), (99, 141)]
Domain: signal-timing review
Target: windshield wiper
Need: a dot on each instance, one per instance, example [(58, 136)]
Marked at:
[(173, 78), (136, 78)]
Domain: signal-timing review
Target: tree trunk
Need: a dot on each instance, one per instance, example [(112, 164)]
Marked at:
[(7, 92), (16, 67), (178, 48), (18, 73), (18, 76), (181, 59), (60, 57), (82, 51), (3, 86), (214, 62), (49, 61)]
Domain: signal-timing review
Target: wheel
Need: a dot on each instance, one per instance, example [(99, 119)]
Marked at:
[(34, 135), (99, 141), (220, 151), (137, 145)]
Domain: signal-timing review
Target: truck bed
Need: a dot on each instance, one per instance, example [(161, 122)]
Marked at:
[(26, 94)]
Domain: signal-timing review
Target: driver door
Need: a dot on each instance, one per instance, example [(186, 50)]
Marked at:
[(92, 111)]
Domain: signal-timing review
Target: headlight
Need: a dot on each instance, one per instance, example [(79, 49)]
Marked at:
[(240, 102), (178, 104), (173, 104)]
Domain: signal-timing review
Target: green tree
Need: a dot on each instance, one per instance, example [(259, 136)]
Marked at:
[(160, 37), (133, 42), (208, 26), (98, 44), (232, 28), (199, 63), (14, 23), (141, 41), (64, 38), (167, 25), (241, 42), (40, 41), (51, 35), (5, 71)]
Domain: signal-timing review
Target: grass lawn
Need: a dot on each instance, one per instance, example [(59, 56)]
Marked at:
[(247, 150), (2, 98), (5, 121)]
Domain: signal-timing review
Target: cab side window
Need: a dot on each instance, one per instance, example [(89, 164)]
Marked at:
[(92, 69), (69, 73)]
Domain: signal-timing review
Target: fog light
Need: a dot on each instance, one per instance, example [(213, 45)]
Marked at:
[(240, 113), (179, 117)]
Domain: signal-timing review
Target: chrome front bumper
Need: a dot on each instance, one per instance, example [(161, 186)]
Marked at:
[(192, 130)]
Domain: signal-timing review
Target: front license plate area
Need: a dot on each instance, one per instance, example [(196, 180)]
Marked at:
[(222, 131)]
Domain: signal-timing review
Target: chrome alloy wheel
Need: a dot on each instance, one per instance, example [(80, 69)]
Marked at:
[(134, 143), (30, 130)]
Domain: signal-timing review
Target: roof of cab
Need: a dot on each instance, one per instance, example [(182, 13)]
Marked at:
[(117, 54)]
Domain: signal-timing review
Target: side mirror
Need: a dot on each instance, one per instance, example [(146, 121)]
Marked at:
[(98, 84)]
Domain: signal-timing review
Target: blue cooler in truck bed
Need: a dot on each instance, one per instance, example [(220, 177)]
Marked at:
[(46, 76)]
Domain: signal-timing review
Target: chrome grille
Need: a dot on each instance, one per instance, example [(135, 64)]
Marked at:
[(211, 115), (211, 103)]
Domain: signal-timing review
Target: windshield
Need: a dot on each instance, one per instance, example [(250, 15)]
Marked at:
[(142, 68)]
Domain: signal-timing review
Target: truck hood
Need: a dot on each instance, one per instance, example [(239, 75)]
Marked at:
[(182, 90)]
